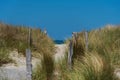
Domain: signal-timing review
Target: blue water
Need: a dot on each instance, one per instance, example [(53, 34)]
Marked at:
[(59, 41)]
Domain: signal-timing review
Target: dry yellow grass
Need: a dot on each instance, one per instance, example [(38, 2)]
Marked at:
[(101, 59)]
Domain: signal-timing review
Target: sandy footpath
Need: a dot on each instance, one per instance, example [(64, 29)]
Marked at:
[(60, 52)]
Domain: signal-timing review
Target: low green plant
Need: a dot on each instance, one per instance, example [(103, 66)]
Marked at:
[(38, 73), (4, 56), (45, 70)]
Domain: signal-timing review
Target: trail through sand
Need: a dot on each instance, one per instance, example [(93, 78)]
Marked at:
[(60, 52)]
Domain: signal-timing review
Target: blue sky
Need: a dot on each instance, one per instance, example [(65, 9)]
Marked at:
[(61, 17)]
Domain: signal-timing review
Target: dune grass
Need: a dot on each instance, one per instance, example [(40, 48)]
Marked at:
[(98, 63), (107, 43), (16, 37), (101, 59), (44, 70), (42, 47)]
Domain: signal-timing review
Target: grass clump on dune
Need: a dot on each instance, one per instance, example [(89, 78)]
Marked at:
[(42, 47), (107, 43), (92, 66), (95, 67), (16, 37), (45, 69), (101, 59)]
